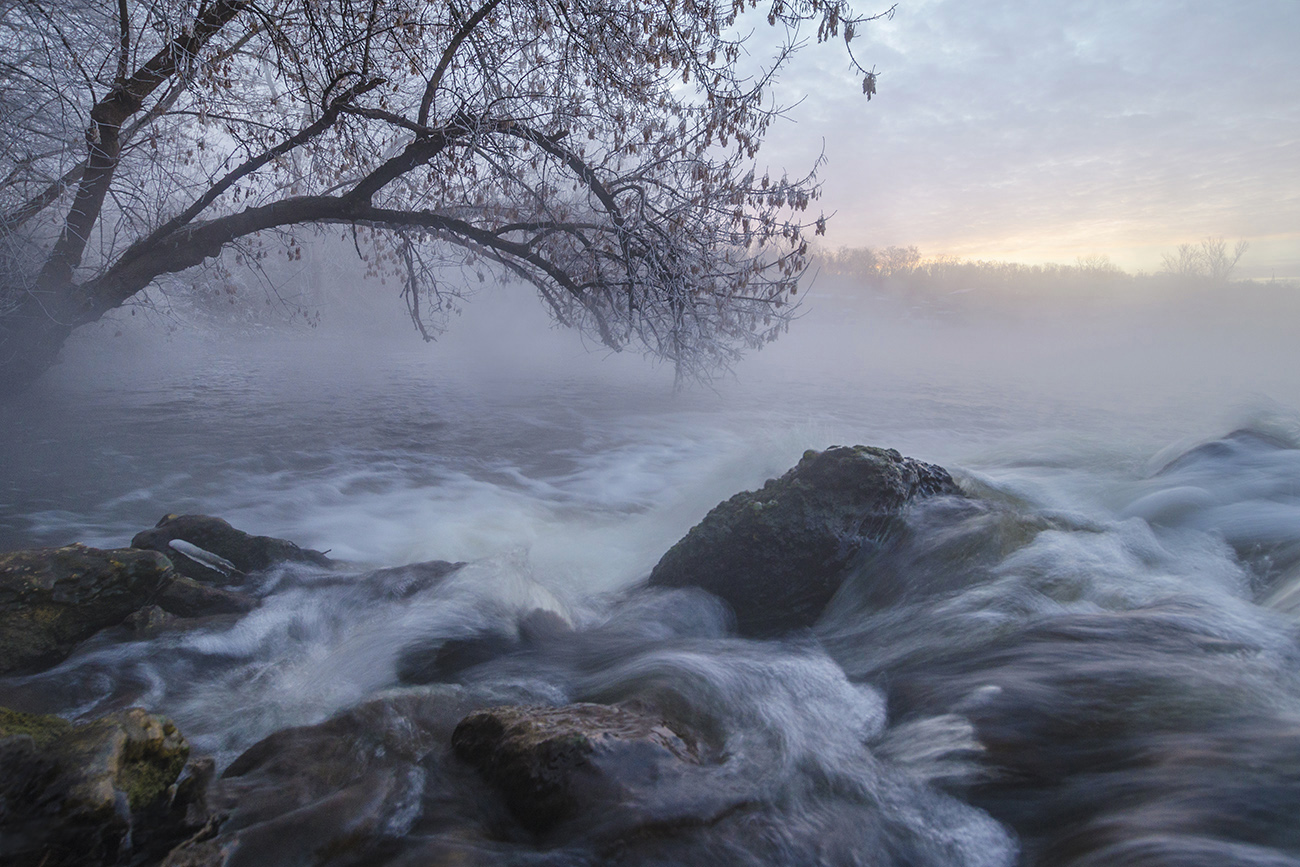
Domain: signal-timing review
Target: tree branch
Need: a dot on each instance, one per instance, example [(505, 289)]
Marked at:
[(124, 42), (306, 134), (104, 138), (426, 102)]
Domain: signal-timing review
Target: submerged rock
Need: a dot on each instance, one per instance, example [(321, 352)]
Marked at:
[(101, 792), (550, 763), (777, 555), (186, 597), (1229, 448), (209, 549), (428, 661), (403, 582), (51, 599)]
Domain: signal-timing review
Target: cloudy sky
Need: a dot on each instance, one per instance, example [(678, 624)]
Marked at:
[(1043, 130)]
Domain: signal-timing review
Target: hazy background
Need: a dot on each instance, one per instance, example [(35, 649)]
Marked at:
[(1048, 130)]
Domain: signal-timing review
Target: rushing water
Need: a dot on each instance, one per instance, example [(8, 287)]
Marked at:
[(1093, 662)]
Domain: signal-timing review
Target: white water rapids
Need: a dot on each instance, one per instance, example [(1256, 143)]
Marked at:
[(1170, 591)]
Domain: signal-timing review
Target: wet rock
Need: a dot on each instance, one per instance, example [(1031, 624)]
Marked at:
[(942, 546), (382, 783), (209, 549), (351, 788), (777, 555), (403, 582), (51, 599), (552, 763), (102, 792), (437, 661), (186, 597), (1231, 447), (442, 661), (149, 621)]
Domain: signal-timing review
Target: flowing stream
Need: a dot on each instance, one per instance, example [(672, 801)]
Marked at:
[(1118, 628)]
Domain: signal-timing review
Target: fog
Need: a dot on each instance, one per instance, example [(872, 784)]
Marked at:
[(561, 473), (1163, 339), (1074, 642), (134, 415)]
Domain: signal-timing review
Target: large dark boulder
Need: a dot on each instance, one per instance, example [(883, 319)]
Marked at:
[(104, 792), (51, 599), (552, 763), (225, 555), (777, 555)]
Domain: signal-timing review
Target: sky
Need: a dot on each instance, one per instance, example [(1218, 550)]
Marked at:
[(1053, 129)]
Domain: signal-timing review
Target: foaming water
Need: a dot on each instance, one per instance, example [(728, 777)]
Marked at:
[(1056, 670)]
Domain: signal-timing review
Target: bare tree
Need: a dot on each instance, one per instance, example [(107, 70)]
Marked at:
[(601, 149), (1207, 261)]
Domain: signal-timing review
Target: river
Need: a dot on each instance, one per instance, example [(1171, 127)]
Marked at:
[(1151, 615)]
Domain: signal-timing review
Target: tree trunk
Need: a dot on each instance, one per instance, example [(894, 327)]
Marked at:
[(30, 339)]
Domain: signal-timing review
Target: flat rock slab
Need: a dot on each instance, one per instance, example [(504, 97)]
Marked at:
[(777, 555), (51, 599), (241, 552)]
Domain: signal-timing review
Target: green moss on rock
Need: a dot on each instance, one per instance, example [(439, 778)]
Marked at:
[(52, 599), (61, 792), (41, 728)]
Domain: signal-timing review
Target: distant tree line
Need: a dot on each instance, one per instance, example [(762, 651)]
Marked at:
[(904, 271)]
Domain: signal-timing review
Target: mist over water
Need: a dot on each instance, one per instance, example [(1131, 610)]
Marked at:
[(1101, 596)]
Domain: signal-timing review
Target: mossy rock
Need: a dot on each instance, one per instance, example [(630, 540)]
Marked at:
[(777, 555), (52, 599), (90, 793), (43, 729)]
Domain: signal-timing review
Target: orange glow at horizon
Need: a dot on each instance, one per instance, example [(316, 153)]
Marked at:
[(1277, 255)]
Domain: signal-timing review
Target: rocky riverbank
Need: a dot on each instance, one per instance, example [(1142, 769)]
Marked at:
[(861, 662), (120, 789)]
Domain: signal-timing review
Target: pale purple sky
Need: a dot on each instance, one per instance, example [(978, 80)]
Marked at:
[(1046, 130)]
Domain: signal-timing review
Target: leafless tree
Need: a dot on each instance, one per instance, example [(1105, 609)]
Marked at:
[(602, 150), (1208, 261)]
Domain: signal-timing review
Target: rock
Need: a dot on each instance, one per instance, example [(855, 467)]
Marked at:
[(1231, 447), (149, 621), (242, 553), (95, 793), (385, 783), (777, 555), (51, 599), (552, 763), (186, 597), (433, 661), (352, 786), (403, 582), (442, 661)]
